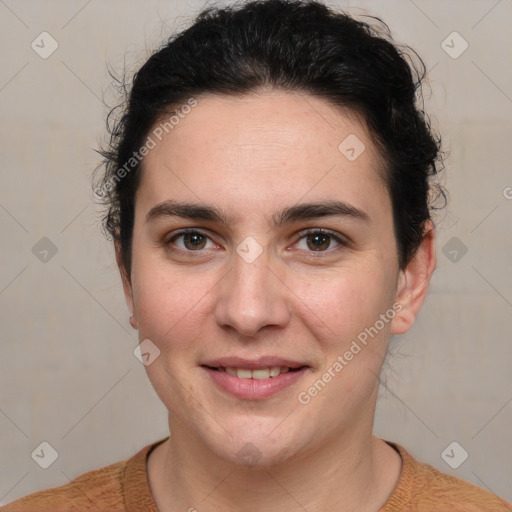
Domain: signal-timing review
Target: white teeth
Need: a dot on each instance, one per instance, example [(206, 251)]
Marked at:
[(264, 373), (275, 371), (243, 374), (259, 374)]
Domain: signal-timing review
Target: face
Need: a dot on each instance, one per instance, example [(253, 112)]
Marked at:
[(301, 299)]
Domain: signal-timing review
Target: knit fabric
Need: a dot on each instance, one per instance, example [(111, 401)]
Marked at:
[(124, 486)]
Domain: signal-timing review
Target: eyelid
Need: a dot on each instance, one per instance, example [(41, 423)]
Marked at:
[(338, 237), (343, 240), (167, 241)]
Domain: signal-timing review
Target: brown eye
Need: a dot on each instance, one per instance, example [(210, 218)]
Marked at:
[(193, 241), (318, 240)]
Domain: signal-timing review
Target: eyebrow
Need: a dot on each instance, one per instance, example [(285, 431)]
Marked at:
[(302, 211)]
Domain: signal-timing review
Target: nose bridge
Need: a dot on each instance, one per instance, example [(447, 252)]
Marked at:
[(251, 295)]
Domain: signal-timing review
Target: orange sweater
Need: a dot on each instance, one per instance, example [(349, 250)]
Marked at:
[(124, 486)]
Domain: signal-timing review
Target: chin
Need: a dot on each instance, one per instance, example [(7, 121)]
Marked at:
[(256, 442), (255, 455)]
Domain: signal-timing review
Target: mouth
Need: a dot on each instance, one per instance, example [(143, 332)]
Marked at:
[(270, 372), (254, 379)]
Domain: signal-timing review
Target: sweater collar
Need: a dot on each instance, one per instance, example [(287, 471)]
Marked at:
[(137, 492)]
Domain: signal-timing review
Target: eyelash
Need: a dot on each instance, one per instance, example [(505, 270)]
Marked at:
[(314, 231)]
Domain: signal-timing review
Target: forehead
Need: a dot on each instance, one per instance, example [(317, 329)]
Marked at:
[(256, 150)]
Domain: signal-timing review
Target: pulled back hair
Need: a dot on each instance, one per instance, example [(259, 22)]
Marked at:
[(289, 45)]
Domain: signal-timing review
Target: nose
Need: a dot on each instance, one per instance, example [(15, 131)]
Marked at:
[(252, 296)]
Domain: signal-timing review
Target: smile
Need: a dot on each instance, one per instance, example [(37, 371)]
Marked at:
[(254, 384), (260, 374)]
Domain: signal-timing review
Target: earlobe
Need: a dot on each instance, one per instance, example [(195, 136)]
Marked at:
[(414, 280)]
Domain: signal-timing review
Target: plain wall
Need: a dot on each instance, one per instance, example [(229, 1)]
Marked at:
[(68, 373)]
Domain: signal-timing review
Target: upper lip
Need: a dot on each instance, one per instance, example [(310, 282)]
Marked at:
[(252, 364)]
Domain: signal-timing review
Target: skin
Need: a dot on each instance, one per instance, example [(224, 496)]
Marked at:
[(253, 156)]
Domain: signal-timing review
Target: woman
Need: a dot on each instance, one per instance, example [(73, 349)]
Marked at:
[(269, 189)]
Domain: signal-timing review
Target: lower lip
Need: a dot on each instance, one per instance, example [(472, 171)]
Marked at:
[(254, 389)]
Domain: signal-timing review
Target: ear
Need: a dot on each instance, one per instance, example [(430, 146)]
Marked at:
[(413, 282), (125, 278)]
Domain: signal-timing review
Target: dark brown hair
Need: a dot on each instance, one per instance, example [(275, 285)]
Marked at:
[(290, 45)]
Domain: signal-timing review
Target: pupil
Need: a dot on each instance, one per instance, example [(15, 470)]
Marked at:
[(318, 237), (194, 238)]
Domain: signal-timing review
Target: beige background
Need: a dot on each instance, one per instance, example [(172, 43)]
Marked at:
[(68, 373)]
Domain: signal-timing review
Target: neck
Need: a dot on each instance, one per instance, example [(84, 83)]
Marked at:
[(348, 472)]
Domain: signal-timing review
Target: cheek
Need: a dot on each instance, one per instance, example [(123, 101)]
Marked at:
[(168, 301), (346, 301)]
